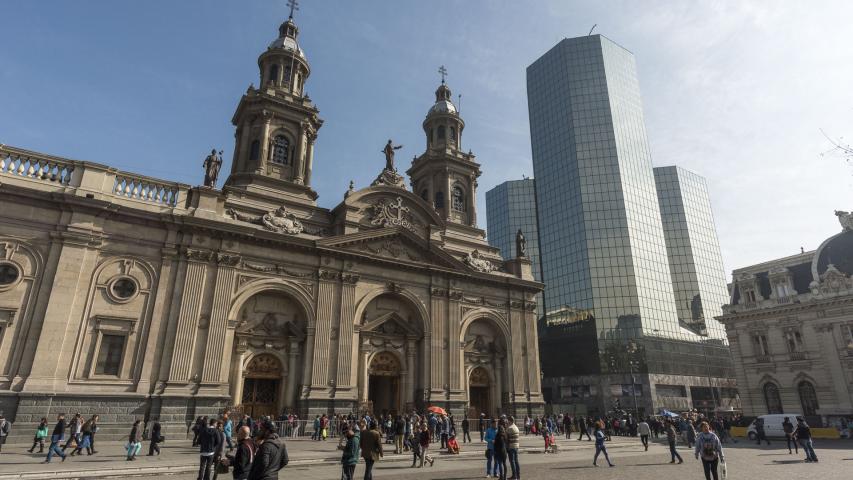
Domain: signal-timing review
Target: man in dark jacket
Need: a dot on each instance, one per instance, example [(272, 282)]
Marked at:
[(271, 455), (155, 439), (56, 439), (208, 440), (371, 449), (241, 461)]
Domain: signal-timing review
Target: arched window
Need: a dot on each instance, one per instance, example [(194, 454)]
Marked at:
[(772, 398), (431, 137), (439, 200), (808, 398), (425, 195), (255, 150), (441, 132), (453, 134), (280, 149), (458, 199), (274, 74), (286, 78)]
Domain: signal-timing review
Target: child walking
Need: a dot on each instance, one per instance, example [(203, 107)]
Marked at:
[(41, 434)]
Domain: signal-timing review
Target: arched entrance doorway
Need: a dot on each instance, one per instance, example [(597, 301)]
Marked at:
[(384, 383), (478, 392), (269, 341), (261, 386)]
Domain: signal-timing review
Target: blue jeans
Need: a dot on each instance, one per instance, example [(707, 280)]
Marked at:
[(806, 443), (673, 452), (490, 454), (599, 449), (54, 447), (512, 453)]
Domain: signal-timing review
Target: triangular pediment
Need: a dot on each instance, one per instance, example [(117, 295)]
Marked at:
[(396, 244), (390, 324)]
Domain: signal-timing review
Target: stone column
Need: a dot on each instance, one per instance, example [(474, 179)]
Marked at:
[(159, 320), (347, 348), (453, 355), (499, 382), (308, 362), (411, 352), (216, 351), (472, 205), (534, 382), (322, 334), (363, 375), (309, 162), (299, 162), (237, 384), (516, 349), (292, 375), (265, 145), (438, 313), (187, 329)]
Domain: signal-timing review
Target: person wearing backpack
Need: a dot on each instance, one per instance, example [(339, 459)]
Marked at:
[(708, 446), (271, 455)]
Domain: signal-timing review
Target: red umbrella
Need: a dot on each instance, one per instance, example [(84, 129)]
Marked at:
[(437, 410)]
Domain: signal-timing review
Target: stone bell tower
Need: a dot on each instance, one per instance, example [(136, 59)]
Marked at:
[(276, 126), (444, 175)]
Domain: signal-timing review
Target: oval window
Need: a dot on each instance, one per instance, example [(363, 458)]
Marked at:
[(8, 274), (124, 288)]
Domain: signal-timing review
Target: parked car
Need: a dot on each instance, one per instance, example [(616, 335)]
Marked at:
[(772, 424)]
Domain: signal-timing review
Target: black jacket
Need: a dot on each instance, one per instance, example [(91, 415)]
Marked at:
[(59, 429), (241, 461), (269, 459), (208, 439)]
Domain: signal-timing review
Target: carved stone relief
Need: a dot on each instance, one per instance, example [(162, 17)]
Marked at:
[(278, 220)]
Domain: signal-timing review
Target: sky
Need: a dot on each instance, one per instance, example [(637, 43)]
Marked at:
[(738, 92)]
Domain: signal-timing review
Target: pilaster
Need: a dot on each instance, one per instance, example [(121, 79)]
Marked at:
[(322, 335), (454, 321), (347, 347), (216, 354), (438, 314), (185, 334)]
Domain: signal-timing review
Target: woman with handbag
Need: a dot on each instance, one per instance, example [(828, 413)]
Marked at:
[(709, 447), (134, 441)]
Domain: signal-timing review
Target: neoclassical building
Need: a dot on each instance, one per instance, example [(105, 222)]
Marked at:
[(136, 297), (790, 327)]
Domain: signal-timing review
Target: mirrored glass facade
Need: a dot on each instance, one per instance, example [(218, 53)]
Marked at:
[(695, 262), (511, 206), (601, 239)]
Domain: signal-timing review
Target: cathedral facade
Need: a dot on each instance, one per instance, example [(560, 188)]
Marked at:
[(139, 298)]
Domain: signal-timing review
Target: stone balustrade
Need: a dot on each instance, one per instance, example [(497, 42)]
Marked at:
[(90, 179)]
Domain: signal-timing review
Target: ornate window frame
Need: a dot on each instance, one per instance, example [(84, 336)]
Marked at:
[(111, 325), (17, 266), (110, 290)]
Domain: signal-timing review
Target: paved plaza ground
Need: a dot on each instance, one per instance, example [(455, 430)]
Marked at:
[(318, 460)]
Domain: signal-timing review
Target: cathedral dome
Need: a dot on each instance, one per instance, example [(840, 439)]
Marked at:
[(837, 251), (442, 106)]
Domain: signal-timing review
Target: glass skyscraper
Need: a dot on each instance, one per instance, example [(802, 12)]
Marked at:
[(600, 235), (511, 206), (695, 262), (630, 290)]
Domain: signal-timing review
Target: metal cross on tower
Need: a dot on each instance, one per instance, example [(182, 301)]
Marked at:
[(443, 72), (294, 6)]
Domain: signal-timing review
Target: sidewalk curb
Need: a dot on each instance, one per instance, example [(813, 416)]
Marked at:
[(179, 469)]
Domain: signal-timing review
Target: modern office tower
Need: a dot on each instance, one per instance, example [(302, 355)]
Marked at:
[(610, 337), (510, 207), (695, 263), (600, 233)]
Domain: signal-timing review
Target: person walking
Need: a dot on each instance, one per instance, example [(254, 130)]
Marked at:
[(788, 428), (466, 434), (241, 461), (56, 438), (93, 429), (5, 428), (583, 429), (512, 439), (371, 449), (760, 433), (75, 430), (804, 436), (424, 440), (690, 433), (87, 437), (599, 446), (134, 440), (399, 434), (644, 431), (155, 438), (219, 453), (271, 454), (349, 459), (670, 438), (481, 425), (709, 447), (500, 451), (415, 446), (207, 445), (41, 434), (228, 430)]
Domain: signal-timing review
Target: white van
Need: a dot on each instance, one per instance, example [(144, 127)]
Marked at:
[(773, 425)]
